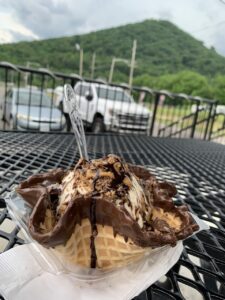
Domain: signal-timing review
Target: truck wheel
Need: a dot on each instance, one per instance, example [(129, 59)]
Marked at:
[(98, 125)]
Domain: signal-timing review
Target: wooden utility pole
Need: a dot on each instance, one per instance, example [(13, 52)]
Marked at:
[(112, 69), (132, 63), (81, 61), (93, 65)]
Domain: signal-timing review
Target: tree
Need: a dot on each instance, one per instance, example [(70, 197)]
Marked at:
[(218, 84), (188, 82)]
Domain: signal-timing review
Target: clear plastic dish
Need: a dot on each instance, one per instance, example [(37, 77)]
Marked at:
[(136, 276)]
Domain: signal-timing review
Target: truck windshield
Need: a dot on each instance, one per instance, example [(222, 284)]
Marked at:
[(113, 94)]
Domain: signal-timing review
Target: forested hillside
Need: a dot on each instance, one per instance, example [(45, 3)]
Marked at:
[(166, 56)]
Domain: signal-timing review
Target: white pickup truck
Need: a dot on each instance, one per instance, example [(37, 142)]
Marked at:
[(104, 107)]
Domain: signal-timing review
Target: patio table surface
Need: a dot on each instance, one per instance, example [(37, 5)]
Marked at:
[(197, 168)]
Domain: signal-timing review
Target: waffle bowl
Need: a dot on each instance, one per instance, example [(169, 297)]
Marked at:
[(111, 251), (93, 231)]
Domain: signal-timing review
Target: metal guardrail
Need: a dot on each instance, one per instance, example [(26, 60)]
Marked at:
[(217, 132), (104, 107)]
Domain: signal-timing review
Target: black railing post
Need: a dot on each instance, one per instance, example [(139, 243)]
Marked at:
[(157, 97), (208, 121), (212, 123), (17, 100), (5, 97), (194, 121)]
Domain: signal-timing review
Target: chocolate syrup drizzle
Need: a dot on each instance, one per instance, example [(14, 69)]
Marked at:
[(94, 230)]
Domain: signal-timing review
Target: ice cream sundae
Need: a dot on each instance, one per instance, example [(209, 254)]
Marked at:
[(104, 213)]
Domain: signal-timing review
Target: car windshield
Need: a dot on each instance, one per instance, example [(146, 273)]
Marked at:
[(113, 94), (33, 99)]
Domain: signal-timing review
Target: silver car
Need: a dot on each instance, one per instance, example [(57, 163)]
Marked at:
[(29, 109)]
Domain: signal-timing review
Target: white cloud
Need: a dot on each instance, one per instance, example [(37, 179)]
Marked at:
[(5, 37), (51, 18), (11, 30)]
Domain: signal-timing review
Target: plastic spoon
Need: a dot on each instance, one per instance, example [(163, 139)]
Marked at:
[(77, 123), (72, 106)]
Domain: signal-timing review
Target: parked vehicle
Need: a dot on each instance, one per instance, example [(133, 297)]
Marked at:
[(220, 109), (103, 107), (200, 108), (29, 109)]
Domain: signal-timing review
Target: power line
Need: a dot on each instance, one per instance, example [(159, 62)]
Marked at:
[(222, 1)]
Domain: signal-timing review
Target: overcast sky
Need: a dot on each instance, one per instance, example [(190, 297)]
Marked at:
[(41, 19)]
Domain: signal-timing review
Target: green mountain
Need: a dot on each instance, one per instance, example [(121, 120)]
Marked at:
[(162, 48)]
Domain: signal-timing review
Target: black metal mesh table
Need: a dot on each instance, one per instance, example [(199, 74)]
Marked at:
[(196, 167)]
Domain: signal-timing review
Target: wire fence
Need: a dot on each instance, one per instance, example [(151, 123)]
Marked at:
[(32, 99)]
